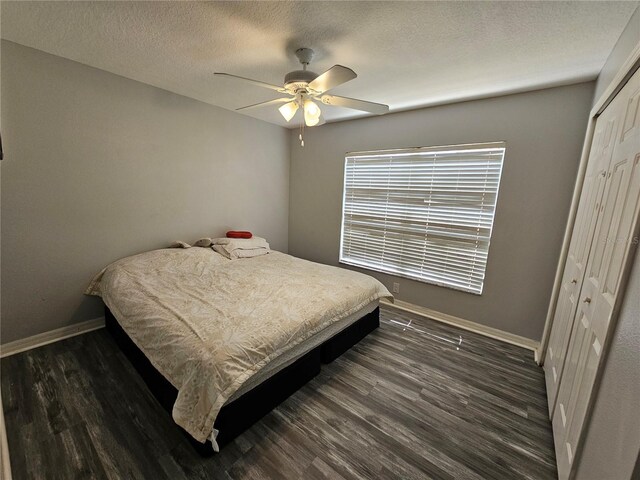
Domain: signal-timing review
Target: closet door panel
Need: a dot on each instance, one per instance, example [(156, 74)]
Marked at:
[(579, 249), (565, 306), (611, 211), (570, 390), (613, 241)]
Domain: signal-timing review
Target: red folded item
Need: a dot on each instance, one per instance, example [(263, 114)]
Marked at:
[(238, 234)]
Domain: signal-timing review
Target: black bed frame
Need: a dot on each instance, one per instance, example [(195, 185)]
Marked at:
[(235, 417)]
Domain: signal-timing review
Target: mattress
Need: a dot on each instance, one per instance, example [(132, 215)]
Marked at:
[(292, 355), (215, 327)]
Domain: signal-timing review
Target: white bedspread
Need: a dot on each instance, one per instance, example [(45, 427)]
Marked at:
[(208, 323)]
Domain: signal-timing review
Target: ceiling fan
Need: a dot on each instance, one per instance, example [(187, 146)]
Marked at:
[(305, 88)]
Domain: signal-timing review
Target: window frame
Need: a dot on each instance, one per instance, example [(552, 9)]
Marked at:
[(497, 145)]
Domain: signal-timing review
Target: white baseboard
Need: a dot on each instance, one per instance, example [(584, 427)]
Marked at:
[(45, 338), (466, 325)]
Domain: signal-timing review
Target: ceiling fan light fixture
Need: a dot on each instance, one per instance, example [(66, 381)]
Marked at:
[(311, 109), (311, 122), (288, 110), (311, 113)]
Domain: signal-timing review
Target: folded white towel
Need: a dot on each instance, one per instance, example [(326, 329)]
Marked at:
[(240, 253), (241, 243)]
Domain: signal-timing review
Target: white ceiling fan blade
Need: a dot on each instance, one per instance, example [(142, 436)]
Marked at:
[(377, 108), (268, 102), (336, 75), (254, 82)]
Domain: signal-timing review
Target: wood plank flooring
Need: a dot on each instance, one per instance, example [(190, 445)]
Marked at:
[(416, 399)]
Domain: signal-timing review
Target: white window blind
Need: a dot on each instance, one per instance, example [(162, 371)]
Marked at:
[(422, 213)]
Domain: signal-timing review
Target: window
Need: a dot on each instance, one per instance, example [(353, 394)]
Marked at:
[(422, 213)]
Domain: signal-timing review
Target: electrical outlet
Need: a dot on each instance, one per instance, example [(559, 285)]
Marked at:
[(396, 287)]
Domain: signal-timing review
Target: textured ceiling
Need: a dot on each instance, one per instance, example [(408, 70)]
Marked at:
[(406, 54)]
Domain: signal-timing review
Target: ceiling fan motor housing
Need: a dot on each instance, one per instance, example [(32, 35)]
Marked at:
[(298, 79)]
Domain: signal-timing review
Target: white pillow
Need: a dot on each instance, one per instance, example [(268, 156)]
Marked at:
[(203, 242)]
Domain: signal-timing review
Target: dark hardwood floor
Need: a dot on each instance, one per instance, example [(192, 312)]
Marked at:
[(415, 399)]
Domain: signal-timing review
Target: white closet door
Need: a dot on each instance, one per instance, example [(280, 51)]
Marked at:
[(614, 235), (579, 248)]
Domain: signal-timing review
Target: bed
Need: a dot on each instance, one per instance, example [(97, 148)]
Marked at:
[(221, 342)]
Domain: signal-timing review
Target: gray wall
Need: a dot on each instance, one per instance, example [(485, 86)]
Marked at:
[(98, 167), (612, 445), (544, 131), (628, 39)]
